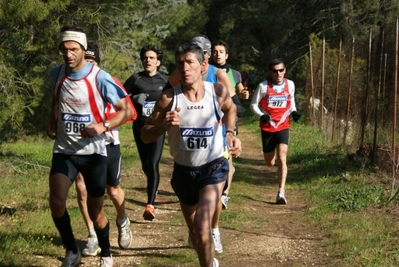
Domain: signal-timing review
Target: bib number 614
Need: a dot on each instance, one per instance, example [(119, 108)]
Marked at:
[(197, 143)]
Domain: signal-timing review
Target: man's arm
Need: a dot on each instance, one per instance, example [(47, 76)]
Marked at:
[(256, 98), (241, 91), (229, 118), (130, 82), (125, 112), (291, 88), (223, 78), (51, 127), (161, 119), (174, 78), (227, 106), (115, 94)]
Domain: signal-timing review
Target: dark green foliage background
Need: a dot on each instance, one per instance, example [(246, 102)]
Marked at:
[(256, 31)]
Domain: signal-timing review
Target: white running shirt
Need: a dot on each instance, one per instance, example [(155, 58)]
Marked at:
[(199, 138)]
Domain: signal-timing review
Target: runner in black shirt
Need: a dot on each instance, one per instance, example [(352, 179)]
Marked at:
[(144, 88)]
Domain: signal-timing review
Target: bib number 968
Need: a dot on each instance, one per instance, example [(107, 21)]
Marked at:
[(74, 127)]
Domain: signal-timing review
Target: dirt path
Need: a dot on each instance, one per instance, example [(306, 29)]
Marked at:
[(280, 236)]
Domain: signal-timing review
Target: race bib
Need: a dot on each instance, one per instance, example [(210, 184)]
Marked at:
[(278, 101), (196, 138), (148, 108), (75, 123)]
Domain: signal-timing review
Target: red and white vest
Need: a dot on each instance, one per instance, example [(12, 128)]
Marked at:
[(278, 106), (78, 104)]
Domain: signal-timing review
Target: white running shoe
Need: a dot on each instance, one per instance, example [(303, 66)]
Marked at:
[(124, 234), (218, 242), (225, 201), (215, 263), (280, 199), (106, 261), (71, 259), (92, 248)]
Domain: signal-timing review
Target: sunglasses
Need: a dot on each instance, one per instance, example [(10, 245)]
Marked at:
[(280, 70)]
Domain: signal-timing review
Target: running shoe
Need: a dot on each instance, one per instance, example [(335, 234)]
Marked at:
[(71, 259), (92, 248), (124, 234), (215, 263), (149, 213), (218, 242), (106, 262), (280, 199), (225, 201)]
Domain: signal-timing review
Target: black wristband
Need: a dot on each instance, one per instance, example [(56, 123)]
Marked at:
[(230, 131)]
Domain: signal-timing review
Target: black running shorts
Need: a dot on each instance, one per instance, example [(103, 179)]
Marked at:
[(188, 181), (271, 140), (113, 165), (92, 167)]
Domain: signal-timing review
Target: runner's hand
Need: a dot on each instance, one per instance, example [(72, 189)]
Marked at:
[(265, 118), (296, 115), (172, 118), (93, 130), (235, 147), (140, 98)]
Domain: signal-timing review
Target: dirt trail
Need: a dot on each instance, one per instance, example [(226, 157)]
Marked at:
[(285, 238)]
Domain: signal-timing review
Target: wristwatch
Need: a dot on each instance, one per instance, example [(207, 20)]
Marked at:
[(106, 125)]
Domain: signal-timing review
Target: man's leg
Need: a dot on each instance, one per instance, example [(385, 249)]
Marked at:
[(92, 248), (215, 220), (94, 171), (188, 214), (282, 165), (225, 196), (117, 195), (82, 200), (101, 224), (270, 158), (217, 239), (114, 190), (59, 186), (154, 153), (209, 197)]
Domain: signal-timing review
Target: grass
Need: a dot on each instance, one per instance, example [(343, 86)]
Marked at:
[(347, 203)]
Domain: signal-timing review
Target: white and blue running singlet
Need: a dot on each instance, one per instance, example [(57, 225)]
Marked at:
[(199, 138)]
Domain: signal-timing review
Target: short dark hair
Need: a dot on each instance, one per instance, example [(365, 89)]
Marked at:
[(193, 48), (275, 62), (153, 48), (223, 43)]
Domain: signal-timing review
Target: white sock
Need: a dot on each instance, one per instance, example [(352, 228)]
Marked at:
[(123, 221), (92, 232), (215, 231)]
